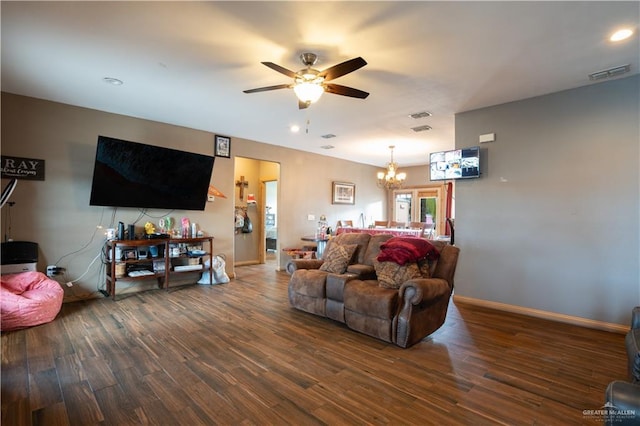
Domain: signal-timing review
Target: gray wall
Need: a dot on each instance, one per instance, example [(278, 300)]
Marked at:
[(552, 224)]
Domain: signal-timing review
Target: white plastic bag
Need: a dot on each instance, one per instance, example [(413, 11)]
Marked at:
[(219, 274)]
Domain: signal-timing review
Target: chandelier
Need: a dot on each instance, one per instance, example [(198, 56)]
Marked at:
[(391, 179)]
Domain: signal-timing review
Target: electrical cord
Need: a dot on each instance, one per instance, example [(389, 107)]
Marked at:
[(7, 223), (98, 227), (81, 248), (156, 217), (87, 270)]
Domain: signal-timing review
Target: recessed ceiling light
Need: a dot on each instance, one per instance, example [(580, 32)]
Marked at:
[(621, 35), (328, 136), (327, 147), (294, 128), (113, 81)]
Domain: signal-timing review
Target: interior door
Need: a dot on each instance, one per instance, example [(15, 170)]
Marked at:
[(402, 207), (431, 206)]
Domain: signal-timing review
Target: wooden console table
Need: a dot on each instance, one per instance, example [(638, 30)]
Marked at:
[(127, 254)]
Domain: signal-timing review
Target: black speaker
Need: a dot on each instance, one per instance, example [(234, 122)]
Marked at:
[(14, 252), (120, 231)]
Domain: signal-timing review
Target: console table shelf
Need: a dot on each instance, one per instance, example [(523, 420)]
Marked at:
[(135, 255)]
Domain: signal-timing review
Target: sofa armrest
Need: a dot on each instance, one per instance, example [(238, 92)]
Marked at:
[(621, 400), (295, 264), (422, 309), (422, 290)]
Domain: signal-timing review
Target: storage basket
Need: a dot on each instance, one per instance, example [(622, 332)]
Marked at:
[(121, 269)]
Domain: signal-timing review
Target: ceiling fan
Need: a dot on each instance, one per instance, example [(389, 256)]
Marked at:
[(309, 84)]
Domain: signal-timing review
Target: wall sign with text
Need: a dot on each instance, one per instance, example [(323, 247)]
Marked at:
[(22, 168)]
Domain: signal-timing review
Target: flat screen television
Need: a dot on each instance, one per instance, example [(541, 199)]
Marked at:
[(130, 174), (455, 164)]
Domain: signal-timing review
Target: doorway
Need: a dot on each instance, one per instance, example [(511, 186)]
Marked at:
[(424, 204), (270, 222), (256, 189)]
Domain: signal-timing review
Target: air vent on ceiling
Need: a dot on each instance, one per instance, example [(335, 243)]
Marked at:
[(327, 147), (611, 72), (421, 114), (421, 128), (328, 136)]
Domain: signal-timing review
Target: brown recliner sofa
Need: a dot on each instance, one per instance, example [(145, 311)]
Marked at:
[(622, 398), (401, 316)]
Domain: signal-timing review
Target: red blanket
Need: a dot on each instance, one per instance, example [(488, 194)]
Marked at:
[(402, 250)]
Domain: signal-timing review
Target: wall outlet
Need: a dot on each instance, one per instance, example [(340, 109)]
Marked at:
[(311, 217), (53, 270)]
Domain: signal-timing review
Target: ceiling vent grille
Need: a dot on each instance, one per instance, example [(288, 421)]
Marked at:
[(421, 114), (611, 72), (328, 136), (421, 128)]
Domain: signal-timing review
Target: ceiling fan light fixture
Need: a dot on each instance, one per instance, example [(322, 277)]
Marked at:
[(309, 84), (308, 92)]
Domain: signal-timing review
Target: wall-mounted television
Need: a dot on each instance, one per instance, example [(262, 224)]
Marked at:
[(455, 164), (131, 174)]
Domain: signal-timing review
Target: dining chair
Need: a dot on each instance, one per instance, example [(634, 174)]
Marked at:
[(380, 223), (423, 226), (396, 224), (345, 224)]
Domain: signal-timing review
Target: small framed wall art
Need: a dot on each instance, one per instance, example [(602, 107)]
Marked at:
[(343, 193), (223, 146)]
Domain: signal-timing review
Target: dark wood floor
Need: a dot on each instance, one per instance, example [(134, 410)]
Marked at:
[(238, 354)]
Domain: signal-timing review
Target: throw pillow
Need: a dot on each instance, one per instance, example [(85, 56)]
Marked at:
[(392, 275), (338, 258)]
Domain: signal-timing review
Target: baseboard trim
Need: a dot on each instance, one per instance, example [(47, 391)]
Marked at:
[(568, 319), (246, 263)]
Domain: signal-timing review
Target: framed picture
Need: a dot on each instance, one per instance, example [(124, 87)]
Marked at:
[(343, 193), (130, 254), (223, 146)]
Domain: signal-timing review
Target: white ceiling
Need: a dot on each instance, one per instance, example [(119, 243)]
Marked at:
[(187, 63)]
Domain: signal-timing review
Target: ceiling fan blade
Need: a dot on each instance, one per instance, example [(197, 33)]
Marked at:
[(337, 89), (343, 68), (264, 89), (280, 69)]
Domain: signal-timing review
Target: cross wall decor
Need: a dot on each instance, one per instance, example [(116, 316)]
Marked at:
[(242, 184)]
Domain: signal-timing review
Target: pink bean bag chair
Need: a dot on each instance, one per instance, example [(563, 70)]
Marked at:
[(28, 299)]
